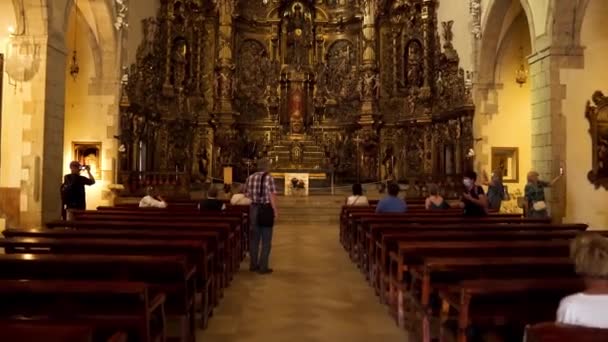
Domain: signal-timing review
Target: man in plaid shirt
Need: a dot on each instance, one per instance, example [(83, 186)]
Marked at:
[(259, 198)]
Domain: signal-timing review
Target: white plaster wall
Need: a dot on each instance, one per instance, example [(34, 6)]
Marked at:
[(584, 203), (11, 147)]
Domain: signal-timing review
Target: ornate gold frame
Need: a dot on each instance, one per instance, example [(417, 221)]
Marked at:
[(79, 150), (597, 115)]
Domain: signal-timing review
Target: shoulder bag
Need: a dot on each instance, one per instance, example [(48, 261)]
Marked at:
[(265, 212)]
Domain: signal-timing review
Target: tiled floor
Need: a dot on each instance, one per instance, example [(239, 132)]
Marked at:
[(316, 294)]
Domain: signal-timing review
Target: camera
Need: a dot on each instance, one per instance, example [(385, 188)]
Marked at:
[(84, 167)]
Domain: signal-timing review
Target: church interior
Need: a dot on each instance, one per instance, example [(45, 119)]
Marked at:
[(188, 98)]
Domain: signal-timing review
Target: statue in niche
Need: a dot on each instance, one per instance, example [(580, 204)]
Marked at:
[(369, 148), (299, 32), (413, 62), (271, 101), (388, 161), (203, 162), (180, 52)]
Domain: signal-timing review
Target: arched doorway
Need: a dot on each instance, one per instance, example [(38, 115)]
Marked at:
[(91, 94), (503, 123)]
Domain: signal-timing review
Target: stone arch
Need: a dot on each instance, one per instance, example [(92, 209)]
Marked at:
[(564, 22), (492, 29), (99, 16)]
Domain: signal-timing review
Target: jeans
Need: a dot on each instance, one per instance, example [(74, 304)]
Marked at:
[(259, 234)]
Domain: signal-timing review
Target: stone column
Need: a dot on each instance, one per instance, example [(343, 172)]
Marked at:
[(369, 68), (548, 122), (224, 73)]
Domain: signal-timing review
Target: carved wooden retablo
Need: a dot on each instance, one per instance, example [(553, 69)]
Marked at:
[(366, 88)]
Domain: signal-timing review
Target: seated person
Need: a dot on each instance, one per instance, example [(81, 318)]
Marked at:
[(357, 199), (391, 203), (212, 203), (239, 197), (152, 199), (435, 201), (474, 200), (589, 308)]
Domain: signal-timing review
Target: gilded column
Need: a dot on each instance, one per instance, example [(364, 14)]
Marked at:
[(429, 29), (224, 73), (369, 68), (169, 17)]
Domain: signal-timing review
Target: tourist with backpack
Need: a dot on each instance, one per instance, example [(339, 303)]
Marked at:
[(72, 189)]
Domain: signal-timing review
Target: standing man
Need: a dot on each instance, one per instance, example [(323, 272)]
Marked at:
[(261, 189), (72, 189)]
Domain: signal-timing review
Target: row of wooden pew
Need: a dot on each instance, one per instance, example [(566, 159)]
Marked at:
[(120, 273), (443, 275)]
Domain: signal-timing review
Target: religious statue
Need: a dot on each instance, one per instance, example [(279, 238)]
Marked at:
[(271, 101), (223, 84), (203, 162), (388, 161), (297, 152), (179, 57), (299, 33), (369, 85), (413, 64)]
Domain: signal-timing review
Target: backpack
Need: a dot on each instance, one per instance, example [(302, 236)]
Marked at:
[(66, 189)]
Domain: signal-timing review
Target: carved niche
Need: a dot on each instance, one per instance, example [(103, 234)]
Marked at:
[(597, 114)]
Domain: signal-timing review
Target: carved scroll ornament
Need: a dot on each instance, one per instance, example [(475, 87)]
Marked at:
[(597, 114)]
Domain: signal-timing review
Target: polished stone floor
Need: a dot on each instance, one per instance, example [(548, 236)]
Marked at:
[(315, 294)]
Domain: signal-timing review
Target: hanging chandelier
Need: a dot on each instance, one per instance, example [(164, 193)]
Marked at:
[(22, 53), (74, 67), (521, 75)]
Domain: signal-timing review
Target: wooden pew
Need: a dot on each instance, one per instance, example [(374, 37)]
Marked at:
[(129, 213), (435, 273), (361, 224), (374, 234), (490, 302), (196, 251), (212, 238), (231, 258), (552, 332), (102, 305), (385, 241), (172, 275)]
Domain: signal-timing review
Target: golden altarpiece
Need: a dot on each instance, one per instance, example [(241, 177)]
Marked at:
[(361, 89)]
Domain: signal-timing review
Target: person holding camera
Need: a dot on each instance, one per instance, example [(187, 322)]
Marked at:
[(72, 189)]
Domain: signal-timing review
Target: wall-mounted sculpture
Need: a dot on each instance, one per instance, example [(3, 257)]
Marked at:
[(597, 114)]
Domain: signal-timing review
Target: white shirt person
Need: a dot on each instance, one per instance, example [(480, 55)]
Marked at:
[(585, 310), (152, 199)]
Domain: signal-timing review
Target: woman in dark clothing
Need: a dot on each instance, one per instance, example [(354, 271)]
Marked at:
[(496, 190), (435, 201), (474, 200)]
